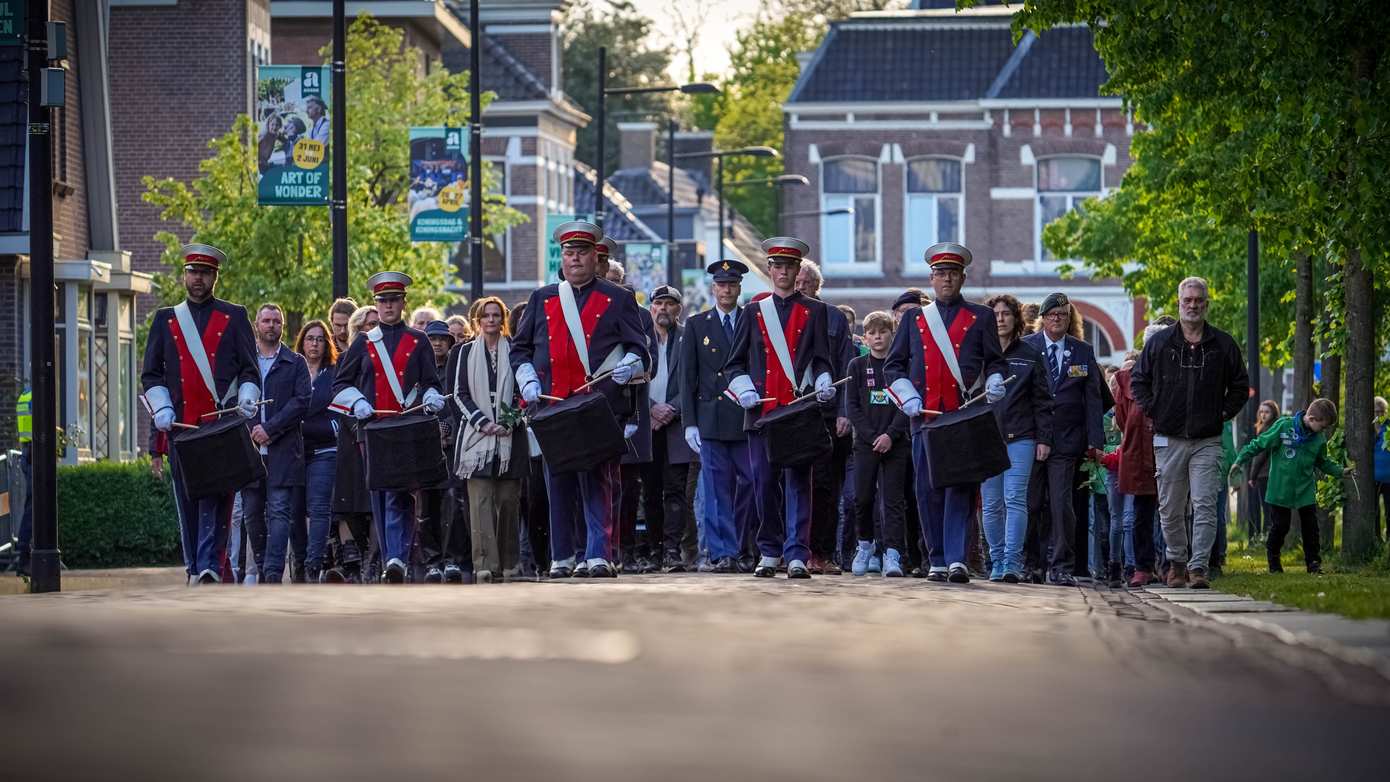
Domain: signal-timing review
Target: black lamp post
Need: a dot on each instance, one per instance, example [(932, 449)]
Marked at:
[(719, 155)]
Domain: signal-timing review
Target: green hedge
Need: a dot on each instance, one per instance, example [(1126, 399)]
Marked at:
[(114, 514)]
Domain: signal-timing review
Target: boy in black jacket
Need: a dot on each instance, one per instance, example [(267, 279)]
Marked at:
[(882, 449)]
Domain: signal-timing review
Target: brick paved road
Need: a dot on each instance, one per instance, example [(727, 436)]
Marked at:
[(666, 677)]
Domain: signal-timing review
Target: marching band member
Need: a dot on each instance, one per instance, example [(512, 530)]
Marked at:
[(572, 332), (776, 354), (938, 355), (200, 355), (389, 368)]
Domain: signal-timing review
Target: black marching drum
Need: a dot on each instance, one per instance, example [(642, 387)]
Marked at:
[(404, 453), (578, 433), (217, 458)]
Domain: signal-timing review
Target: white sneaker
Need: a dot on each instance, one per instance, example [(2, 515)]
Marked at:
[(860, 565)]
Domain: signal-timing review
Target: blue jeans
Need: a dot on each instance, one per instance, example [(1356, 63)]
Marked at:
[(268, 510), (1121, 521), (1100, 552), (319, 471), (1006, 508), (26, 515)]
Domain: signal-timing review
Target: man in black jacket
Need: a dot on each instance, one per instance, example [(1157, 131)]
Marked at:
[(1190, 380)]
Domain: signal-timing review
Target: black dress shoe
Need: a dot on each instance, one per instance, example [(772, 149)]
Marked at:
[(798, 571), (764, 571), (394, 573), (937, 576), (959, 575), (746, 564), (674, 564), (725, 565), (1063, 580), (434, 576), (453, 574), (602, 570), (334, 576), (918, 573), (560, 571)]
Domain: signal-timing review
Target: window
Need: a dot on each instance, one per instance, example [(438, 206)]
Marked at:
[(1097, 338), (934, 205), (850, 240), (1063, 183)]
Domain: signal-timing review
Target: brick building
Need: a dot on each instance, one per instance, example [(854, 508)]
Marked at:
[(933, 126), (96, 284)]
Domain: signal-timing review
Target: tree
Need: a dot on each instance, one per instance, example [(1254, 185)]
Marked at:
[(1271, 104), (284, 254), (688, 17), (633, 61)]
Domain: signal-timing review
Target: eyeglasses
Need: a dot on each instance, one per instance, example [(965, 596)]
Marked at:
[(315, 339), (942, 274), (1057, 316)]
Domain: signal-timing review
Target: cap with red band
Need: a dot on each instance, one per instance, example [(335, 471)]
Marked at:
[(948, 254), (204, 255), (785, 247), (577, 232), (606, 247), (388, 284)]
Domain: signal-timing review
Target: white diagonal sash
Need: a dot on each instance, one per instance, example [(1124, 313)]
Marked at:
[(937, 327), (570, 309), (194, 342), (376, 339), (778, 338)]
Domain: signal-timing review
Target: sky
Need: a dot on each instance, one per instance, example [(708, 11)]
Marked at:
[(722, 21)]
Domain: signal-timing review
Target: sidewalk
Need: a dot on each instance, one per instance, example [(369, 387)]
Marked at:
[(119, 578), (1360, 641)]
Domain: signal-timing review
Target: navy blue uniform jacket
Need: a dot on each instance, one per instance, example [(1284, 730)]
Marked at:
[(1077, 400), (749, 356), (357, 369), (233, 362), (979, 355), (705, 349)]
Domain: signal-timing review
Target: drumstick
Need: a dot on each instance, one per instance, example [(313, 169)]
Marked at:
[(184, 426), (930, 412), (549, 398), (595, 380), (804, 397), (1007, 380), (760, 399), (398, 412), (238, 407)]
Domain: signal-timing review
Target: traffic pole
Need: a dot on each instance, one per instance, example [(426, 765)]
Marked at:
[(338, 211)]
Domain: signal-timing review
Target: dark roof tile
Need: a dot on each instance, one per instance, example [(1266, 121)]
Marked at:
[(1062, 63)]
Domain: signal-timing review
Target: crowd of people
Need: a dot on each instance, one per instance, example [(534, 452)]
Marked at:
[(779, 436)]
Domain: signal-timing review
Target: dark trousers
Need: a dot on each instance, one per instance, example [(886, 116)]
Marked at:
[(914, 542), (827, 481), (445, 534), (203, 527), (1257, 509), (625, 511), (535, 507), (1280, 519), (945, 511), (596, 491), (729, 511), (784, 512), (26, 516), (880, 475), (1052, 515), (1145, 510), (663, 501)]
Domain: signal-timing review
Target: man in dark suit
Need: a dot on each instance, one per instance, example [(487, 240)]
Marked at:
[(639, 445), (200, 355), (940, 354), (780, 352), (664, 477), (269, 504), (571, 332), (713, 427), (1076, 382)]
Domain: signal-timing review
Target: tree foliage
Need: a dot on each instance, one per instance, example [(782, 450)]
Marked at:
[(634, 60), (284, 254)]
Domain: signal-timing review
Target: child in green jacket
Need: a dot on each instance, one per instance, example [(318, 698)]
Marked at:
[(1298, 450)]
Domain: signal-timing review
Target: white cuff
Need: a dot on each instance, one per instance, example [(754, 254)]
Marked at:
[(741, 384), (526, 373), (902, 390), (157, 397), (248, 392), (345, 399)]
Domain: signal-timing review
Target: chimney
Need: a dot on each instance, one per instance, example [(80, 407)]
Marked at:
[(637, 142), (697, 141), (530, 32)]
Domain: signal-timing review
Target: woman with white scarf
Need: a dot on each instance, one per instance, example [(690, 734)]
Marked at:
[(490, 452)]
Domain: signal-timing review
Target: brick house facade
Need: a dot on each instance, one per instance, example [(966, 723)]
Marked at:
[(933, 126)]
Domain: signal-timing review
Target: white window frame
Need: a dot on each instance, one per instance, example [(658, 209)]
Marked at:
[(913, 263), (853, 268), (1073, 198)]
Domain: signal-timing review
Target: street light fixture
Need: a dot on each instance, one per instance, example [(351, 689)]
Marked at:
[(781, 181), (843, 210), (694, 88), (719, 155)]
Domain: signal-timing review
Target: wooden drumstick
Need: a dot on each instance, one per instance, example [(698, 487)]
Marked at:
[(595, 380), (399, 412), (804, 397), (215, 413), (1007, 380), (549, 398), (184, 426)]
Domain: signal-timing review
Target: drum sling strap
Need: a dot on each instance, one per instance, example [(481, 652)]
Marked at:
[(570, 307), (778, 338), (388, 367), (937, 327), (193, 342)]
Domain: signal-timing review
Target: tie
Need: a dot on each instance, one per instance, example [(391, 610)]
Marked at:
[(1054, 367), (729, 326)]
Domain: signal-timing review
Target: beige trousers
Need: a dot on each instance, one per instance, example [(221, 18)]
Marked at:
[(495, 506)]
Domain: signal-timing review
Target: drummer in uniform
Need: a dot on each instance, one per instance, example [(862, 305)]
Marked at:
[(713, 427), (781, 348), (364, 386), (200, 355), (922, 377), (571, 332)]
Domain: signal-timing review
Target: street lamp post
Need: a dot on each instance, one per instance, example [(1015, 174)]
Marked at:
[(780, 181), (843, 210), (672, 278), (719, 155), (600, 170), (475, 155), (338, 208)]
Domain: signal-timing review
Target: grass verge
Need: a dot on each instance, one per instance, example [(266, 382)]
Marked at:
[(1356, 592)]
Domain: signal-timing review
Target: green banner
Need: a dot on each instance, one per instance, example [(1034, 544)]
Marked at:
[(12, 29), (439, 185), (293, 128)]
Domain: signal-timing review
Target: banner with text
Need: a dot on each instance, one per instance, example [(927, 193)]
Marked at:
[(438, 185), (292, 123), (12, 29)]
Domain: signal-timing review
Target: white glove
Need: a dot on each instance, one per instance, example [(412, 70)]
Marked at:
[(994, 388), (433, 401), (247, 397), (825, 390), (626, 369), (692, 438), (361, 410), (912, 406), (748, 399), (164, 419), (531, 391), (629, 431)]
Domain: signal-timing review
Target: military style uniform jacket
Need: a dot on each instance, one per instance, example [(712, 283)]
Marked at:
[(804, 322), (704, 351), (225, 333), (915, 354), (362, 371)]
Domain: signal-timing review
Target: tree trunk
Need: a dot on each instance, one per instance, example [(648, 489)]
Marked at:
[(1359, 514), (1276, 387), (1303, 349)]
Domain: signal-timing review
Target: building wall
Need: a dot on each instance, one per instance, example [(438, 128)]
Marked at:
[(69, 206), (298, 41), (12, 333)]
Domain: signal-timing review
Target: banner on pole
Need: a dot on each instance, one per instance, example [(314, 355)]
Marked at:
[(646, 267), (292, 132), (12, 29), (438, 185)]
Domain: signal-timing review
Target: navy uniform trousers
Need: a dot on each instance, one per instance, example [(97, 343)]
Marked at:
[(594, 491), (728, 512), (790, 539), (204, 524), (945, 512)]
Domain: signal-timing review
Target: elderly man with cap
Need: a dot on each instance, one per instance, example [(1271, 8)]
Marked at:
[(445, 539), (664, 477), (571, 333), (200, 354), (713, 427), (1079, 399), (940, 354), (389, 368), (779, 353)]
